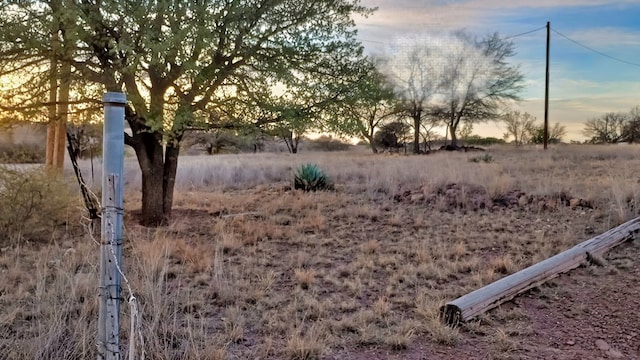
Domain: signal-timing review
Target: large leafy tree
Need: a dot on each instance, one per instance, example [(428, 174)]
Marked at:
[(180, 61), (370, 103), (34, 43)]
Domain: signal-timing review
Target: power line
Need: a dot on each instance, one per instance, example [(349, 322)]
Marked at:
[(506, 38), (525, 33), (594, 50)]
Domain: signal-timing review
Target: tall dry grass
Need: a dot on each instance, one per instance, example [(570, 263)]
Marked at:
[(251, 269)]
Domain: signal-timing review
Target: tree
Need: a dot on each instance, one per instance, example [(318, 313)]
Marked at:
[(212, 142), (556, 134), (428, 132), (520, 126), (475, 79), (392, 135), (35, 42), (179, 61), (455, 77), (414, 81), (466, 130), (631, 131), (370, 104), (607, 129)]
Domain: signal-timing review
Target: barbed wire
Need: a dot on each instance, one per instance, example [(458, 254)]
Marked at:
[(136, 319)]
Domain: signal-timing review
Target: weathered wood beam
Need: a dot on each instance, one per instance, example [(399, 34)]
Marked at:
[(486, 298)]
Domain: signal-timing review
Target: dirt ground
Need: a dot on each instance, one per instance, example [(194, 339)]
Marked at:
[(589, 313), (266, 272)]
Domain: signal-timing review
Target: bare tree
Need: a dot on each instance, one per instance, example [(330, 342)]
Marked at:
[(556, 134), (454, 77), (414, 80), (607, 129), (520, 126), (475, 80)]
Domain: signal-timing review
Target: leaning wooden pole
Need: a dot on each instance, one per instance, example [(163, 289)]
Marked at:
[(479, 301)]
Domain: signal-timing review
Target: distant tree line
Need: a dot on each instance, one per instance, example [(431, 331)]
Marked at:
[(614, 127)]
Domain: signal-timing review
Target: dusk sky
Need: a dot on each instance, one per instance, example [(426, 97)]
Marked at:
[(583, 84)]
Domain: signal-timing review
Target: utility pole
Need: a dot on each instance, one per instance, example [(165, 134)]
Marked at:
[(546, 92), (111, 231)]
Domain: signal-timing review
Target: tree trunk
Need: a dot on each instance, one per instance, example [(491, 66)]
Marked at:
[(53, 93), (169, 177), (63, 115), (453, 127), (454, 139), (372, 143), (51, 136), (149, 150), (416, 133)]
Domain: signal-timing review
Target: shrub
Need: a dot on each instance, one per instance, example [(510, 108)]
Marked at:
[(32, 203), (327, 143), (486, 158), (310, 177), (21, 154)]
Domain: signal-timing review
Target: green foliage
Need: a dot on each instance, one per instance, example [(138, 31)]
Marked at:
[(309, 177), (32, 203), (486, 158), (218, 69)]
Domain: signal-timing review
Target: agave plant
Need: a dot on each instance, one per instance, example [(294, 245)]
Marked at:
[(309, 177)]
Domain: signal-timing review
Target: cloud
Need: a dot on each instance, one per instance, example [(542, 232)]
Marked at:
[(581, 87), (605, 37)]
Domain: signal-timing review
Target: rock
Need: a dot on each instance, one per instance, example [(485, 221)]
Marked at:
[(614, 354), (417, 197), (551, 204), (523, 200), (570, 342), (602, 345), (574, 203)]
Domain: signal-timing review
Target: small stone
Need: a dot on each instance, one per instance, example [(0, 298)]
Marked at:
[(614, 354), (523, 200), (602, 345), (571, 342), (417, 197), (551, 204), (574, 203)]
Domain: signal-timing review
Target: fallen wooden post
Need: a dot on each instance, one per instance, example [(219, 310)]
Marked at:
[(479, 301)]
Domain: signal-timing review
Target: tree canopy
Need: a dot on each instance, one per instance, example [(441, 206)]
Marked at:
[(179, 62)]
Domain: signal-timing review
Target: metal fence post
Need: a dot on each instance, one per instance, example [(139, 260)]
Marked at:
[(111, 230)]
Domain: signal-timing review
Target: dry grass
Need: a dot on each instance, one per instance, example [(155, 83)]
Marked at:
[(251, 269)]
